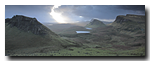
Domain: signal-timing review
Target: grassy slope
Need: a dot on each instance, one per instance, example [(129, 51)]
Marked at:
[(17, 41), (25, 39), (99, 47), (105, 42)]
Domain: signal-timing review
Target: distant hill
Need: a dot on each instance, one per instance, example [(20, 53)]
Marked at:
[(73, 29), (81, 23), (106, 23), (95, 23), (25, 32), (57, 28)]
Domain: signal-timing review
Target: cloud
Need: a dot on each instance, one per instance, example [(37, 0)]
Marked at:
[(109, 12), (132, 7), (68, 12), (57, 16), (107, 20), (81, 16), (73, 13), (40, 12)]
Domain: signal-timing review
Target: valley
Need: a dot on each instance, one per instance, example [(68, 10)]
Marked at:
[(110, 38), (124, 37)]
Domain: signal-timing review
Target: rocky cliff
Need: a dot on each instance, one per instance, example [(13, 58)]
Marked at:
[(130, 23), (95, 23)]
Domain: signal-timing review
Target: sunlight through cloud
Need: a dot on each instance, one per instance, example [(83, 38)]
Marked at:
[(57, 16), (81, 16)]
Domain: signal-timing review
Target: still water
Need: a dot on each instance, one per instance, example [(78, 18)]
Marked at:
[(82, 31)]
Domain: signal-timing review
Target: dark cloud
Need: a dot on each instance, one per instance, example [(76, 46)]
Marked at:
[(105, 11), (74, 12), (98, 11), (132, 7), (41, 12)]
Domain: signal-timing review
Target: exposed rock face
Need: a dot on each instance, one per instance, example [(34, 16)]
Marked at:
[(27, 24), (130, 23), (121, 19), (95, 23)]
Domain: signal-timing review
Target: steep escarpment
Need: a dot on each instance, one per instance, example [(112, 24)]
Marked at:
[(95, 23), (25, 32), (130, 24)]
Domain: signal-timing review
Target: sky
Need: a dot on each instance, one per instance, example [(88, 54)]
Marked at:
[(72, 13)]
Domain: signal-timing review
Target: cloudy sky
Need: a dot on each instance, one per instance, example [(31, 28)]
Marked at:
[(72, 13)]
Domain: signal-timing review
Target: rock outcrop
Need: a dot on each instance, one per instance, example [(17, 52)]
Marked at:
[(95, 23)]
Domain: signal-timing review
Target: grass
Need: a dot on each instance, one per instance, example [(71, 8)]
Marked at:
[(17, 40), (74, 51)]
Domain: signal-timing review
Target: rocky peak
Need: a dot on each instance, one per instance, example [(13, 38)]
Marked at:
[(27, 24), (94, 23)]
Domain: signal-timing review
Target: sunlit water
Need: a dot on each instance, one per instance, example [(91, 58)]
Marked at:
[(82, 31)]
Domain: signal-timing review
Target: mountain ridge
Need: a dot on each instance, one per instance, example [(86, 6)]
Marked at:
[(131, 24)]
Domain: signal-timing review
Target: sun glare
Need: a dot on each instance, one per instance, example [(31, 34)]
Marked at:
[(57, 16), (80, 16)]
